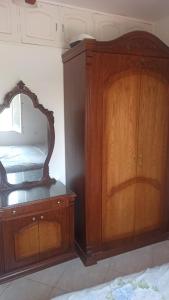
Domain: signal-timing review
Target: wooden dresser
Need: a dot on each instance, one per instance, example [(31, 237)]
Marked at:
[(36, 229), (117, 142)]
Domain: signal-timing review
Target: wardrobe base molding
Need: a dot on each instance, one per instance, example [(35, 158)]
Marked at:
[(87, 259), (37, 267), (109, 250)]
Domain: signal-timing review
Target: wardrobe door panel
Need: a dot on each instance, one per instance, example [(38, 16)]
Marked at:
[(118, 218), (120, 104), (152, 151), (148, 208)]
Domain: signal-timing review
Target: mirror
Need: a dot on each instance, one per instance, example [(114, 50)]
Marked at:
[(26, 140)]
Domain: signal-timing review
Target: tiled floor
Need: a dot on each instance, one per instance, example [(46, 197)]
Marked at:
[(73, 275)]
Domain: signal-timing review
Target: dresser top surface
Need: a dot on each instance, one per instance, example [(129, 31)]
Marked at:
[(19, 197)]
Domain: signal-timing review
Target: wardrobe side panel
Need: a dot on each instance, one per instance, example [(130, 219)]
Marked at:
[(93, 149), (74, 106)]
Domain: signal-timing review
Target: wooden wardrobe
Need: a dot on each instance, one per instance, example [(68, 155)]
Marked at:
[(117, 142)]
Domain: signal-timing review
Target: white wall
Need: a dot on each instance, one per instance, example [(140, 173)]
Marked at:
[(40, 67), (34, 127), (41, 70), (161, 30)]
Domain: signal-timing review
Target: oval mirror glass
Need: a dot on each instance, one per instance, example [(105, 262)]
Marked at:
[(25, 140)]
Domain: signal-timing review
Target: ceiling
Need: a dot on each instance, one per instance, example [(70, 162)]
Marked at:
[(149, 10)]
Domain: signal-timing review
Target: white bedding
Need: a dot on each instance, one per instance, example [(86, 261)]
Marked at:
[(22, 158), (152, 284)]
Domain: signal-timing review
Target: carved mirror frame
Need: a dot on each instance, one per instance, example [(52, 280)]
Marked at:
[(21, 88)]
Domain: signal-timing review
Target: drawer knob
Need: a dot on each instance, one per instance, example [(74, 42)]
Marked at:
[(42, 217), (33, 219), (58, 202), (14, 212)]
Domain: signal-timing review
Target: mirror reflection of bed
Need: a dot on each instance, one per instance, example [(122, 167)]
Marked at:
[(23, 140)]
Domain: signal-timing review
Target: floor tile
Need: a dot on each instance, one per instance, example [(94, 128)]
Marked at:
[(160, 253), (111, 274), (133, 261), (50, 275), (3, 287), (56, 292), (73, 275), (76, 276), (23, 289)]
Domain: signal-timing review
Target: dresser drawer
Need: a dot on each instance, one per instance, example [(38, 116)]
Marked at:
[(34, 207)]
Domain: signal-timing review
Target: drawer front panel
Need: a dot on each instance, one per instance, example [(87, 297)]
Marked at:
[(40, 206)]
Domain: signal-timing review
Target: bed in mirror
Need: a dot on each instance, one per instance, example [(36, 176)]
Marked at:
[(26, 140)]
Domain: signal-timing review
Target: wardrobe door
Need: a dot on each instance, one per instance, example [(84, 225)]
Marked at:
[(120, 114), (152, 149)]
